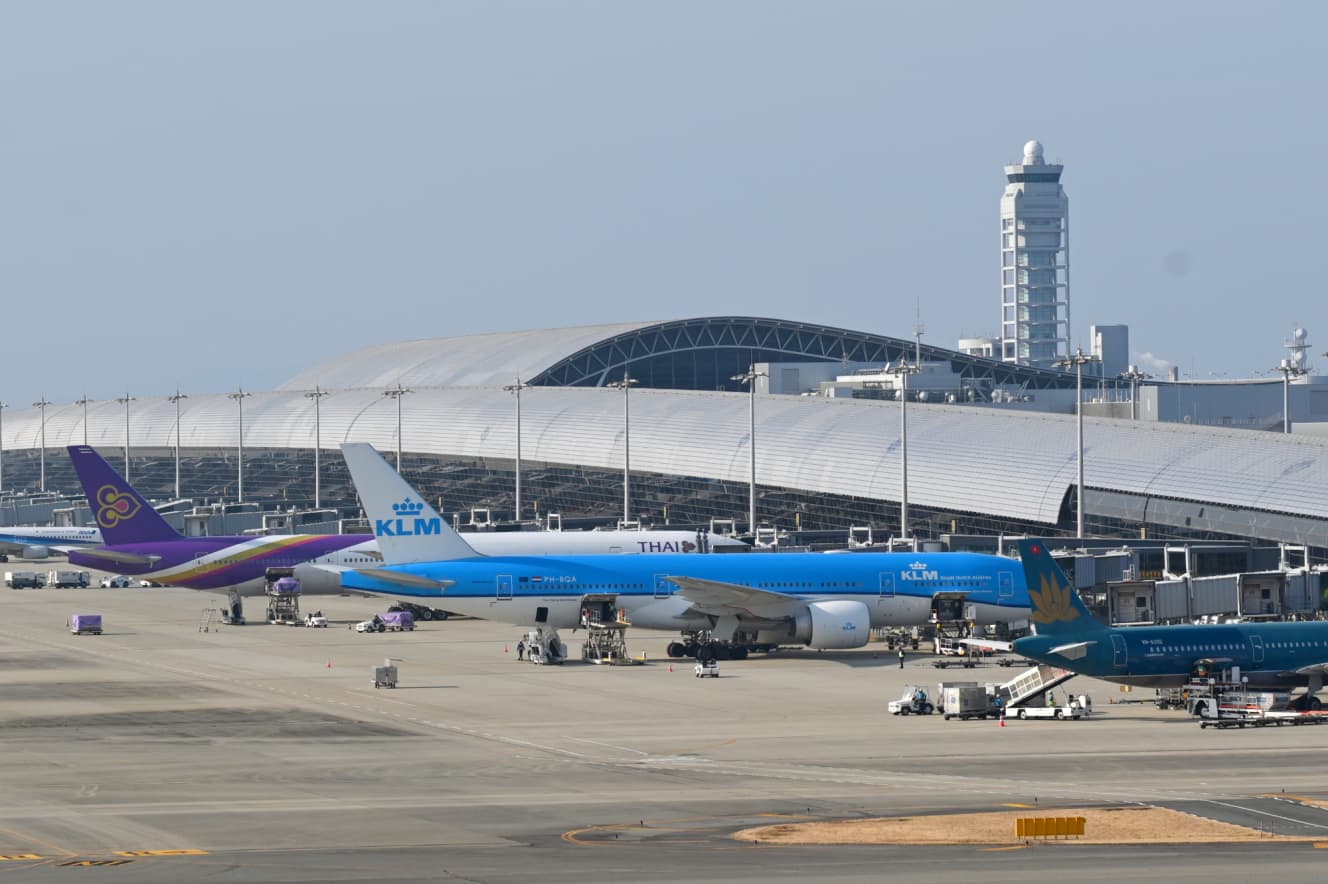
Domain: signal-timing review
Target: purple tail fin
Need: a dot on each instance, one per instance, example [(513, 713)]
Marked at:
[(122, 514)]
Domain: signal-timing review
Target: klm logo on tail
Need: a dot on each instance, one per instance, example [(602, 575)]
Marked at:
[(114, 506), (407, 522)]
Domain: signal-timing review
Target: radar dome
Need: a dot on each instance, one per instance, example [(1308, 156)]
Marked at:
[(1299, 334), (1033, 153)]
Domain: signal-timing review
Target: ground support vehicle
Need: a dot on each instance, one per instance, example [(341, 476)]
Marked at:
[(968, 701), (913, 701), (69, 579), (373, 625), (398, 621), (707, 669), (1073, 710), (420, 612), (544, 647), (316, 619), (24, 580), (385, 676), (118, 581), (85, 624)]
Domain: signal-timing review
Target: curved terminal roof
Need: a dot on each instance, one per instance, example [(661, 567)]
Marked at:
[(700, 353), (961, 458)]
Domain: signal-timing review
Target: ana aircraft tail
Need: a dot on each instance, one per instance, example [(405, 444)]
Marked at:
[(407, 528), (121, 513), (1057, 608)]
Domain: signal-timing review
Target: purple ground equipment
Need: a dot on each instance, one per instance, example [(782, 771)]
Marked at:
[(85, 624)]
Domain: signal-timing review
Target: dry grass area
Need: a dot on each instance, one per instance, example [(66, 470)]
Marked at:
[(1111, 825)]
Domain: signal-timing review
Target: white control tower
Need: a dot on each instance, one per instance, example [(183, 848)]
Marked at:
[(1035, 262)]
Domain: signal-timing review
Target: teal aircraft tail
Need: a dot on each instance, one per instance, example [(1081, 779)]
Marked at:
[(1057, 608)]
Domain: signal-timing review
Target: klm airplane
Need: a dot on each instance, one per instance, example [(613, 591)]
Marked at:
[(1270, 655), (730, 603)]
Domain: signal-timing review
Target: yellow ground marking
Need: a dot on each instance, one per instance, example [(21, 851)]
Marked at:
[(24, 837), (181, 852), (1017, 804)]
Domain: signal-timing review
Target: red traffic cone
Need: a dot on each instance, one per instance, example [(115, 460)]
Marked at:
[(1002, 721), (329, 664), (504, 649), (670, 667)]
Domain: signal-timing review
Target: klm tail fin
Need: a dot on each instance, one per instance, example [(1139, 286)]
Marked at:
[(407, 528), (1057, 608), (121, 513)]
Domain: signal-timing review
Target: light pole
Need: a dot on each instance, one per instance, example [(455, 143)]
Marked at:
[(317, 394), (749, 378), (902, 369), (239, 397), (626, 385), (396, 393), (3, 406), (1289, 369), (1134, 375), (42, 405), (517, 388), (176, 401), (1078, 360), (125, 400), (84, 402)]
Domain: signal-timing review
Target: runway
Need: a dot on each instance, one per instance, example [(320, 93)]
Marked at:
[(263, 753)]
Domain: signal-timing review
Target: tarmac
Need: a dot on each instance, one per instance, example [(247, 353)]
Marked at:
[(160, 752)]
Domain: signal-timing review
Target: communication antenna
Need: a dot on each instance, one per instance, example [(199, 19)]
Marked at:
[(1299, 345), (918, 329)]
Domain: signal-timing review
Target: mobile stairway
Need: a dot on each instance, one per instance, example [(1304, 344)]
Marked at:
[(1033, 683)]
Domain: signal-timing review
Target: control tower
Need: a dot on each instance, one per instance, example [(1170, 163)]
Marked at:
[(1035, 262)]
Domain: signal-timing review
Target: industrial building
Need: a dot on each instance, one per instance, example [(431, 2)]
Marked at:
[(983, 464)]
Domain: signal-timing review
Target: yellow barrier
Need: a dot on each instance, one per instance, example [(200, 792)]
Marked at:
[(1049, 827)]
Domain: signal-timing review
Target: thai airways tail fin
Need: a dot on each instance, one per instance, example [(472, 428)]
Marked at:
[(407, 528), (121, 512), (1057, 607)]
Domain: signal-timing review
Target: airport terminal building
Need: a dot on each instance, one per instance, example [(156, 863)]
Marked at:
[(980, 461)]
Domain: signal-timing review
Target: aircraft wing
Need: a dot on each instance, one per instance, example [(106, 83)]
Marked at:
[(986, 644), (16, 546), (1072, 651), (114, 555), (402, 579), (717, 597), (1319, 668)]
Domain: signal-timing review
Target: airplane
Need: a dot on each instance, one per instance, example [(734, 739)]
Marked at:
[(140, 543), (32, 542), (1269, 655), (728, 604)]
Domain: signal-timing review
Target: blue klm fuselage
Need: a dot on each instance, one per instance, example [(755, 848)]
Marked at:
[(895, 588)]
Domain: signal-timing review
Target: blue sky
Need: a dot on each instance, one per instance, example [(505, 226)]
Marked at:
[(210, 193)]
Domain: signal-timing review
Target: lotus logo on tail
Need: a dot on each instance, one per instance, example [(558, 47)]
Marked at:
[(1052, 604), (114, 506)]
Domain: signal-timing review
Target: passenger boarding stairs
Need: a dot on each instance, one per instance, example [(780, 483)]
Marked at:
[(1033, 683)]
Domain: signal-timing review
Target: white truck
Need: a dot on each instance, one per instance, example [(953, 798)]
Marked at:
[(316, 619), (67, 579), (24, 580)]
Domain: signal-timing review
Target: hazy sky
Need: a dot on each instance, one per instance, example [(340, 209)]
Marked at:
[(206, 194)]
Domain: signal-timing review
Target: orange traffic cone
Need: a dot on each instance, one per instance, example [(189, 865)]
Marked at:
[(670, 667), (329, 664), (504, 649)]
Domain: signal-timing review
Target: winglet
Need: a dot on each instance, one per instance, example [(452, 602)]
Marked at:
[(409, 531), (1057, 608), (121, 512)]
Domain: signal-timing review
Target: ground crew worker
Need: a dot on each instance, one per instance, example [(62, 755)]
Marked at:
[(521, 649), (901, 658)]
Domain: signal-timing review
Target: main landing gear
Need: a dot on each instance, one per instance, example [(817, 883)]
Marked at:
[(703, 646)]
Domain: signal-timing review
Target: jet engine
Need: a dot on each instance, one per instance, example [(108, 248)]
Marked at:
[(35, 552), (833, 625)]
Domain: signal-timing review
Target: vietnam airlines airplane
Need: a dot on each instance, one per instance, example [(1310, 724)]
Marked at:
[(1270, 655), (139, 542), (740, 602)]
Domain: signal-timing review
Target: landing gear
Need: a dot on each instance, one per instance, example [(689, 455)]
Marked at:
[(703, 646), (233, 613)]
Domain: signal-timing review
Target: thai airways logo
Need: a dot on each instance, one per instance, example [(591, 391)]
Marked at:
[(1052, 604), (663, 546), (408, 522), (919, 571), (114, 506)]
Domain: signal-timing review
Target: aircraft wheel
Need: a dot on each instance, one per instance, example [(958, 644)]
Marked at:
[(739, 653), (721, 652), (676, 649), (693, 650)]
